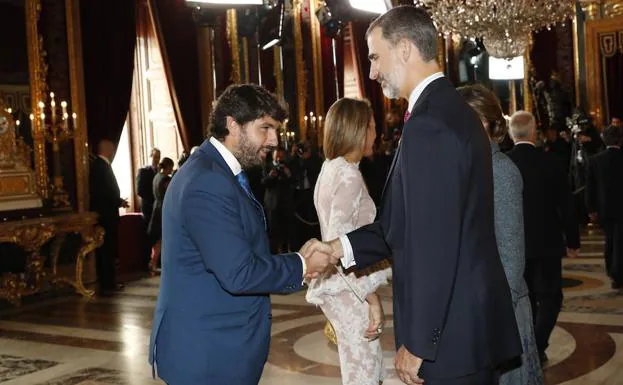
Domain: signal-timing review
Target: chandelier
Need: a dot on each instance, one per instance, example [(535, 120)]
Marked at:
[(504, 25)]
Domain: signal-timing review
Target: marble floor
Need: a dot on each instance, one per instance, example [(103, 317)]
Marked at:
[(70, 341)]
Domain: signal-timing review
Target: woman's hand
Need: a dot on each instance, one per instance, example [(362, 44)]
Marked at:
[(376, 317)]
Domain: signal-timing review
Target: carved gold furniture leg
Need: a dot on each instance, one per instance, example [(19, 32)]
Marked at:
[(30, 238), (92, 238), (329, 332)]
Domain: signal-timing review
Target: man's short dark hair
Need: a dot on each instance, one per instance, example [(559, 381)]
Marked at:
[(244, 103), (612, 136), (411, 23)]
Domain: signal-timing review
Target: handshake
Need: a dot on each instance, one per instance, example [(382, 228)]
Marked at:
[(320, 256)]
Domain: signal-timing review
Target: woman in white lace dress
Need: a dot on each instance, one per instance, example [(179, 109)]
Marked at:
[(343, 204)]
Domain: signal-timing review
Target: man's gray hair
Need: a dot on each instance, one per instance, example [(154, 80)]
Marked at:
[(411, 23), (522, 125)]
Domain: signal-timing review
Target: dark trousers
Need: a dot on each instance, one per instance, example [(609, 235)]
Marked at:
[(279, 229), (613, 252), (305, 221), (106, 256), (483, 377), (544, 278)]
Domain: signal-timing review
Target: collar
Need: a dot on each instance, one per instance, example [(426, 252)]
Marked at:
[(417, 92), (613, 147), (230, 159), (494, 146), (525, 142), (105, 159)]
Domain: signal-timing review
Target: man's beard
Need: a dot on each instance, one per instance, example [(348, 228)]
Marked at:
[(390, 90), (248, 154)]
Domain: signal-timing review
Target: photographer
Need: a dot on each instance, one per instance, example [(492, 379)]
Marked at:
[(277, 181), (585, 143), (305, 168)]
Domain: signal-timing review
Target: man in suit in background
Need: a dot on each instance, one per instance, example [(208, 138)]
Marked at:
[(105, 201), (550, 225), (604, 194), (144, 184), (213, 316), (453, 314)]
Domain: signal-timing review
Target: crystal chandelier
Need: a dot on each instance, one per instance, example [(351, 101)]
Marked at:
[(504, 25)]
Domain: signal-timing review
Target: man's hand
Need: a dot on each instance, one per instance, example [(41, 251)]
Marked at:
[(124, 203), (318, 257), (407, 366)]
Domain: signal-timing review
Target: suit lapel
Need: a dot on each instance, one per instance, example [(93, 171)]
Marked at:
[(419, 106), (208, 149)]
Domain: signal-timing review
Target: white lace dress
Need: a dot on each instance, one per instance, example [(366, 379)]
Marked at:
[(343, 204)]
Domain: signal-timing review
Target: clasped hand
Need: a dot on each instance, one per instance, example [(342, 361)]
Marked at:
[(319, 257)]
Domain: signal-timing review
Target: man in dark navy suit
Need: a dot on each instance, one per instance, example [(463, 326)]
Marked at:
[(213, 316), (453, 315), (604, 200)]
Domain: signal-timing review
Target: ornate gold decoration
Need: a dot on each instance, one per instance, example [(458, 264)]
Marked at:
[(31, 235), (527, 94), (232, 39), (92, 238), (503, 25), (17, 181), (301, 79), (30, 238), (76, 78), (38, 70), (576, 60), (593, 58), (317, 65)]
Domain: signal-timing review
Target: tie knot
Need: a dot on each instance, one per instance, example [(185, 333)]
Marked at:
[(407, 116)]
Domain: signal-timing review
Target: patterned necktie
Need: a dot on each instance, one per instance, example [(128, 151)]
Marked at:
[(246, 186), (407, 116)]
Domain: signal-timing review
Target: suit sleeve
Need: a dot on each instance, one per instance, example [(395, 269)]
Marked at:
[(368, 245), (566, 207), (214, 222), (434, 180), (509, 225)]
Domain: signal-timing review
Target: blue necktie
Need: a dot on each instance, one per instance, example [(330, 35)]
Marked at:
[(246, 185)]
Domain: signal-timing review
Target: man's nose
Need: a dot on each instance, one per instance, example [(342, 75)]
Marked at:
[(373, 73), (271, 139)]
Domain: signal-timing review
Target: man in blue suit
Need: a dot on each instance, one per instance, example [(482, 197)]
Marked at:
[(213, 316)]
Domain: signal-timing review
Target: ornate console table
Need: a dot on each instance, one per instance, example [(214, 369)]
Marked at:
[(31, 235)]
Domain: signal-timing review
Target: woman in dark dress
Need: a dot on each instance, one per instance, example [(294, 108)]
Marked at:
[(161, 181)]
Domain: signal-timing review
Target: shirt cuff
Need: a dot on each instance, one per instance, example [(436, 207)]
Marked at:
[(348, 259), (304, 265)]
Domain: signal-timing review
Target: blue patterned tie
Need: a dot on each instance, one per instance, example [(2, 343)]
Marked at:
[(246, 185)]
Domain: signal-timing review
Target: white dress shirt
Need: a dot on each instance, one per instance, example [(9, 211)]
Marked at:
[(348, 260), (105, 159), (525, 142), (236, 169)]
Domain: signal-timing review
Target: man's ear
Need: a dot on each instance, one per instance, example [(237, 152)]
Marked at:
[(233, 127), (405, 50)]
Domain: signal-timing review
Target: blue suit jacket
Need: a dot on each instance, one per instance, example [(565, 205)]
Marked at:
[(212, 320)]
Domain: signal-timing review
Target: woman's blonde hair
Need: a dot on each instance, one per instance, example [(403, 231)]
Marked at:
[(346, 127)]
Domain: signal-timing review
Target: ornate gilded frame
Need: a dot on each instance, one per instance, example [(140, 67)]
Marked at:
[(38, 70), (594, 80)]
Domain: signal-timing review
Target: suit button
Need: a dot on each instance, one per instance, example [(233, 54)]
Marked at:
[(270, 316)]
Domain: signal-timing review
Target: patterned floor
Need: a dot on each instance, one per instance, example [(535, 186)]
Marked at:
[(69, 341)]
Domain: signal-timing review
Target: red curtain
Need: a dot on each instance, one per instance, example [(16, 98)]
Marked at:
[(177, 36), (108, 42), (372, 89)]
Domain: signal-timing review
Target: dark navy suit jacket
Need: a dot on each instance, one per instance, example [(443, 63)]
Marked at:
[(213, 317), (452, 302)]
